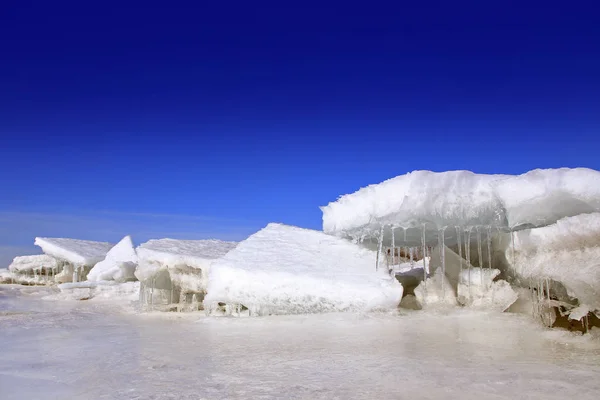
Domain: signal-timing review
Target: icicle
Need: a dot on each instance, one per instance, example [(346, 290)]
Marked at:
[(424, 260), (380, 244), (468, 251), (459, 242), (394, 247), (411, 256), (489, 246), (533, 304), (550, 309), (480, 255), (152, 294), (442, 258), (512, 239)]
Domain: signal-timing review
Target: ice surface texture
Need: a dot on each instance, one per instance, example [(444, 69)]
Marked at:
[(285, 270), (75, 251), (463, 198)]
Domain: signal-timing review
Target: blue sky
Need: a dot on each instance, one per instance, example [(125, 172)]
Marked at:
[(213, 119)]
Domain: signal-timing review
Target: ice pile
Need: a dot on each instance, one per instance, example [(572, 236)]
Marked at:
[(286, 270), (119, 264)]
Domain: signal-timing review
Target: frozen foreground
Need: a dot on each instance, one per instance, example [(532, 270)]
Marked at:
[(96, 350)]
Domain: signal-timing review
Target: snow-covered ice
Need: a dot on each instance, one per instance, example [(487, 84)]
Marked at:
[(284, 269), (75, 251), (543, 196), (463, 198), (119, 264), (88, 350)]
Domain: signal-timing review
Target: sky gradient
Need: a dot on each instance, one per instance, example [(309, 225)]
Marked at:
[(211, 120)]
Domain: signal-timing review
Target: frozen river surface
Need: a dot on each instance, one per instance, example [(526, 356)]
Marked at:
[(92, 350)]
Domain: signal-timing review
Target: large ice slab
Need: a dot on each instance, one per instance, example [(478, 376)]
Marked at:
[(75, 251), (119, 264), (285, 270), (463, 198), (172, 253)]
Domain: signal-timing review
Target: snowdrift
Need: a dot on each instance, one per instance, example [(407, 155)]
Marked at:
[(567, 252), (463, 198), (287, 270), (75, 251), (119, 264)]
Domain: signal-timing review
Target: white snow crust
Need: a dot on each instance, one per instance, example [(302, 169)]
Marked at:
[(119, 264), (567, 251), (75, 251), (28, 263), (463, 198), (172, 253), (286, 270)]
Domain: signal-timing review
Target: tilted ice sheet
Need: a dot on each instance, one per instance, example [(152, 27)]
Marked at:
[(463, 198), (567, 251), (283, 269), (75, 251), (119, 264), (28, 263), (169, 253)]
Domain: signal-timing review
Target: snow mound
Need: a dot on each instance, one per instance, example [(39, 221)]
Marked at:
[(155, 255), (75, 251), (119, 264), (463, 198), (288, 270), (28, 263), (483, 292), (567, 251)]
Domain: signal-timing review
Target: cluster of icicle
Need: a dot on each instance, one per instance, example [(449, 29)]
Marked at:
[(463, 235)]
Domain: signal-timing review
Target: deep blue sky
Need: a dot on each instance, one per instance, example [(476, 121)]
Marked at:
[(215, 118)]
